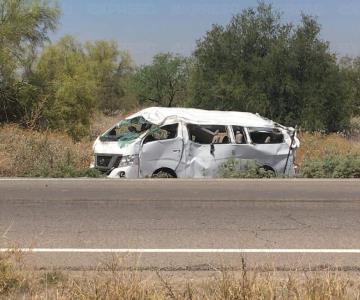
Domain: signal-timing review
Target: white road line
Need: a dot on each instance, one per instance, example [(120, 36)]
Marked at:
[(179, 250)]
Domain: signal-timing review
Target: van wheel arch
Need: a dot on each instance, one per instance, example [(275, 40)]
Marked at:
[(164, 173), (268, 169)]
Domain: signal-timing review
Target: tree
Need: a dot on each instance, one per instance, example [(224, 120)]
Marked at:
[(65, 95), (230, 61), (24, 26), (164, 82), (70, 81), (321, 98), (111, 69), (351, 71), (61, 85), (257, 63)]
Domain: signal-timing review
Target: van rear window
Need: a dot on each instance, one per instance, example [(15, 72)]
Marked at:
[(266, 136)]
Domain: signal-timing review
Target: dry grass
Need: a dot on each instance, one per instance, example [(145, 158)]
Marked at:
[(328, 156), (30, 153), (19, 282), (317, 145)]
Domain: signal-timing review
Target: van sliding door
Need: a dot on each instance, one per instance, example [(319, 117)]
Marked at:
[(207, 148)]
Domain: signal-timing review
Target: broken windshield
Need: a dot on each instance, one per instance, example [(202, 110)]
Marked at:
[(127, 130)]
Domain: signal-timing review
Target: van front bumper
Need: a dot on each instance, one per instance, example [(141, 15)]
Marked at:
[(129, 172)]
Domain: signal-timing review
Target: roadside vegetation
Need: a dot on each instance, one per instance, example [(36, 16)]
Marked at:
[(236, 168), (30, 153), (329, 155), (18, 281)]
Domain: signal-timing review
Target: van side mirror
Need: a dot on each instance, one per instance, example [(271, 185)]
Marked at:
[(212, 149)]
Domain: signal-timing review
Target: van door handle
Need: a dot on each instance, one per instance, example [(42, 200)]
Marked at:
[(176, 150)]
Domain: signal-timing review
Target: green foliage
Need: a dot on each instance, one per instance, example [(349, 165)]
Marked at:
[(285, 72), (351, 71), (112, 70), (332, 166), (235, 168), (61, 87), (65, 90), (24, 26), (164, 82), (71, 81)]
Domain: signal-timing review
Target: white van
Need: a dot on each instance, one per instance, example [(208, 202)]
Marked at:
[(192, 143)]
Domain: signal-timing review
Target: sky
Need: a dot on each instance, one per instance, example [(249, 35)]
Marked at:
[(147, 27)]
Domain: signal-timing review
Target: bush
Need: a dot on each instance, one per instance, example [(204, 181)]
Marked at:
[(243, 168), (332, 166), (27, 153)]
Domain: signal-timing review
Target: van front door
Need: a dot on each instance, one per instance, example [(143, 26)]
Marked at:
[(162, 149)]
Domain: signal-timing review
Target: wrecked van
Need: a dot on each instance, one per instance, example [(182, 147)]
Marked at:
[(192, 143)]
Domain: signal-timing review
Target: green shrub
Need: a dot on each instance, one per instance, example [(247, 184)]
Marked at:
[(332, 166), (243, 168)]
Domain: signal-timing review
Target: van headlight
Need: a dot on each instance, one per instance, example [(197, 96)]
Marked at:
[(93, 162), (129, 160)]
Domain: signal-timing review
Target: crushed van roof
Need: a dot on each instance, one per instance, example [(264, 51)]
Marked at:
[(167, 115)]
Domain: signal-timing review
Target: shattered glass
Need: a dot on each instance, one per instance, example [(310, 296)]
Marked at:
[(127, 131)]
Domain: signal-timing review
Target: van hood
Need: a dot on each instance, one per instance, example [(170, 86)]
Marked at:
[(114, 147)]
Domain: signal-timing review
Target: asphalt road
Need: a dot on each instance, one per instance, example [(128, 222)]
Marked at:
[(183, 214)]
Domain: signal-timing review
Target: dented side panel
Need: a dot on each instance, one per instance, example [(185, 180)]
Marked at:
[(202, 161), (272, 155)]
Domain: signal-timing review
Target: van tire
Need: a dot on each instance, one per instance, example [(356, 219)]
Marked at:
[(164, 173), (271, 172)]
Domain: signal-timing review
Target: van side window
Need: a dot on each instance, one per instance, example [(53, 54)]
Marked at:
[(239, 133), (208, 134), (266, 136), (166, 132)]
